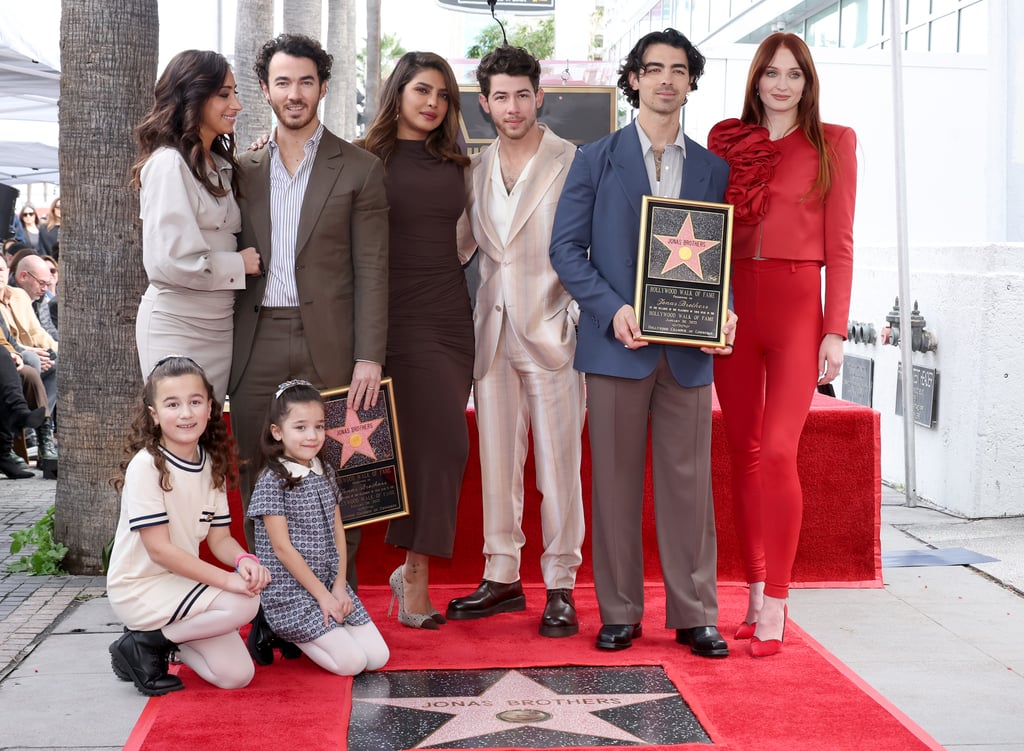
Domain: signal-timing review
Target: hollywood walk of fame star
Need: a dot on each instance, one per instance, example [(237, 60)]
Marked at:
[(354, 436), (684, 248), (515, 700)]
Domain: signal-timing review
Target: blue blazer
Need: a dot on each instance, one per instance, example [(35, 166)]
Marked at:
[(599, 211)]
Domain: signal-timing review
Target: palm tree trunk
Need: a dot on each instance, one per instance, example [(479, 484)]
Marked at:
[(108, 67), (340, 103), (372, 59), (254, 25), (303, 17)]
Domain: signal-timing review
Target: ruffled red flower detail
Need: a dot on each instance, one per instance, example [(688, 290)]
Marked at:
[(752, 158)]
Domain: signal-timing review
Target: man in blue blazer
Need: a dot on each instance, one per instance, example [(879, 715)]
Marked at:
[(594, 252)]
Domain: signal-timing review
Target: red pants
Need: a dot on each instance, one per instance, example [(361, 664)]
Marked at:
[(765, 388)]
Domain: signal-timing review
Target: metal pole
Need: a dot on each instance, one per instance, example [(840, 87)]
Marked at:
[(906, 353)]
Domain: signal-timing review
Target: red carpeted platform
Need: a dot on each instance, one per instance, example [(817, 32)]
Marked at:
[(801, 700), (839, 544)]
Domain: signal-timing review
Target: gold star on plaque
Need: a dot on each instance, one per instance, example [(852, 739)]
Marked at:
[(684, 248)]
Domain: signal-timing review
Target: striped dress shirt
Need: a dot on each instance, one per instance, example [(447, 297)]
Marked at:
[(286, 195)]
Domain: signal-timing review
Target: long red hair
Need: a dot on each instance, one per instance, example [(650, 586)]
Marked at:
[(808, 119)]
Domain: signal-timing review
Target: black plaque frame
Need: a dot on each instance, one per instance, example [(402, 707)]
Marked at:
[(674, 303), (372, 478)]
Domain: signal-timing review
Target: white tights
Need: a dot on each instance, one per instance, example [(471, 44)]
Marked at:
[(209, 642), (348, 650)]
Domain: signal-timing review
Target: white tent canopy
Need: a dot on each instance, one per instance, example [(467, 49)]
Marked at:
[(29, 91)]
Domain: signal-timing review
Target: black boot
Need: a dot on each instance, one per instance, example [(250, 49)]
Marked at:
[(142, 656), (261, 640), (47, 449), (11, 464)]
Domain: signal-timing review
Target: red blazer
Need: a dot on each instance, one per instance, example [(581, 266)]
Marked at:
[(796, 227)]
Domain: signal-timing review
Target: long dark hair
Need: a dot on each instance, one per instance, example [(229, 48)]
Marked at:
[(442, 143), (145, 433), (271, 449), (808, 118), (188, 81)]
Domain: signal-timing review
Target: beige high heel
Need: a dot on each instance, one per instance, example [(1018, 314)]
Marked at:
[(413, 620)]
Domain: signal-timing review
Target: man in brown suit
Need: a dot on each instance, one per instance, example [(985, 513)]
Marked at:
[(525, 339), (314, 207)]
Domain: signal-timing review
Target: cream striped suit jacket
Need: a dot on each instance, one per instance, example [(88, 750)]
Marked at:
[(516, 277)]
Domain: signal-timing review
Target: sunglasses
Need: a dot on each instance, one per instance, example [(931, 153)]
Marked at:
[(28, 213)]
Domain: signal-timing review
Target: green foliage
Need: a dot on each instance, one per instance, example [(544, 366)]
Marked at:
[(45, 560), (536, 38), (390, 50)]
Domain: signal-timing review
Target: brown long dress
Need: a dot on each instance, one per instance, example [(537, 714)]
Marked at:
[(430, 343)]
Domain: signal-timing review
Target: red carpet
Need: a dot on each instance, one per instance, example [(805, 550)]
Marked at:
[(802, 700), (840, 471)]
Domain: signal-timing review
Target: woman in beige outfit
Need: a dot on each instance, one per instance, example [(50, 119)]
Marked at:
[(186, 175)]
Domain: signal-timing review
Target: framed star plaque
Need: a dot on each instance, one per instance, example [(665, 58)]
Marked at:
[(682, 281), (364, 448)]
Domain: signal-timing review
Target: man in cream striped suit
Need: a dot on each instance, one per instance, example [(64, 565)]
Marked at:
[(525, 340)]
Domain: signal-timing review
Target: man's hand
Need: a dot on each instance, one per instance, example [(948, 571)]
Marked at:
[(18, 362), (626, 328), (45, 363), (365, 385)]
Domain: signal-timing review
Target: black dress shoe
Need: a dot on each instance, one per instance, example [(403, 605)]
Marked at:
[(490, 598), (704, 641), (15, 467), (559, 617), (619, 636)]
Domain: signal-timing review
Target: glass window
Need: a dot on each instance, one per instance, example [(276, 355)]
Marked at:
[(974, 29), (917, 39), (943, 6), (860, 22), (823, 28), (917, 11), (944, 34)]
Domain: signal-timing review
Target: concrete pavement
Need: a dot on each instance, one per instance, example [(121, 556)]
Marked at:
[(944, 644)]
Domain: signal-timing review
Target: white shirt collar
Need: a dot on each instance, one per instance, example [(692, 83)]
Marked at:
[(301, 470)]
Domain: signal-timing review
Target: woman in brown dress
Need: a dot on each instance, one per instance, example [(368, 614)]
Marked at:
[(430, 326)]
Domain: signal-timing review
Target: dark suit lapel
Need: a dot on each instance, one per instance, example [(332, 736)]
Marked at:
[(256, 193), (627, 161), (327, 168)]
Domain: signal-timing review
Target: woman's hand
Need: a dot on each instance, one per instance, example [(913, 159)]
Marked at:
[(729, 329), (335, 606), (255, 575), (259, 143), (253, 262), (830, 358)]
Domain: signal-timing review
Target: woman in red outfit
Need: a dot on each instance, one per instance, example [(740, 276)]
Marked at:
[(793, 183)]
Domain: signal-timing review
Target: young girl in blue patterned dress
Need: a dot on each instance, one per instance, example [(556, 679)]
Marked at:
[(300, 537)]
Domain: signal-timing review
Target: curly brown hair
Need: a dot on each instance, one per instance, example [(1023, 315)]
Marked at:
[(188, 82), (145, 433)]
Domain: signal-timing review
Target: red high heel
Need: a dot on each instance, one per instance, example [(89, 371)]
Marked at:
[(769, 647), (745, 630)]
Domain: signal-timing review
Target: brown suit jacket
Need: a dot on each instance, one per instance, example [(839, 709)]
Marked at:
[(341, 258)]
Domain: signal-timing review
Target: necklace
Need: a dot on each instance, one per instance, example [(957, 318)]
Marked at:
[(788, 130)]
